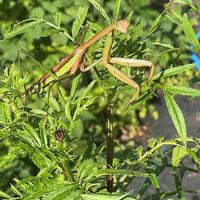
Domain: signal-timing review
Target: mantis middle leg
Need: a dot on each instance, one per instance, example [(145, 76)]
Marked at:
[(107, 61)]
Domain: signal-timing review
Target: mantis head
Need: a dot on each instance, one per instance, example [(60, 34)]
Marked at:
[(122, 25)]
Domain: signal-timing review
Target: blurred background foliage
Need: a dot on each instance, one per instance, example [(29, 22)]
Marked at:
[(166, 45)]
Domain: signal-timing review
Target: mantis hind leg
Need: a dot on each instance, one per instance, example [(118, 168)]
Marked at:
[(135, 63)]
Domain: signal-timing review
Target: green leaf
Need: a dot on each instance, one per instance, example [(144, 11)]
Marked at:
[(38, 112), (178, 153), (173, 71), (183, 90), (15, 190), (57, 18), (22, 26), (31, 132), (194, 155), (68, 112), (4, 195), (100, 9), (87, 90), (101, 172), (116, 10), (176, 116), (142, 99), (74, 85), (80, 18), (52, 102), (105, 197), (198, 5), (50, 31), (190, 33), (155, 25)]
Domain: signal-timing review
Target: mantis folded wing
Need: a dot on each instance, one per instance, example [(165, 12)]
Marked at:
[(70, 64)]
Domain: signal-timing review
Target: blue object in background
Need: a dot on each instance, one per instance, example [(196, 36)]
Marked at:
[(194, 57)]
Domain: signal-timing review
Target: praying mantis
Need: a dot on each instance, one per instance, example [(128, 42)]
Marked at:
[(75, 60), (70, 64)]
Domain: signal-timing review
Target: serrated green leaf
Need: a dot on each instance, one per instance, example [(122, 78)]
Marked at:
[(19, 28), (50, 31), (183, 90), (57, 18), (78, 22), (178, 153), (173, 71), (176, 116), (100, 9), (190, 33), (116, 10)]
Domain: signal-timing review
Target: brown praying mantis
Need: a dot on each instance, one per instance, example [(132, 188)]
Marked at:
[(70, 64)]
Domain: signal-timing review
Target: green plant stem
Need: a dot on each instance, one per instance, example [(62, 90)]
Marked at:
[(155, 148)]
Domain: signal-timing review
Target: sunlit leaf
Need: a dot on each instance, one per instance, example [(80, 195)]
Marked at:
[(178, 153), (173, 71), (116, 9), (183, 90)]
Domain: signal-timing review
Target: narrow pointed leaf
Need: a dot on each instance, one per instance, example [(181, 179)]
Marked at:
[(57, 18), (105, 197), (74, 85), (4, 195), (116, 9), (183, 90), (173, 71), (190, 33), (176, 116), (18, 29), (50, 31), (100, 9), (80, 18)]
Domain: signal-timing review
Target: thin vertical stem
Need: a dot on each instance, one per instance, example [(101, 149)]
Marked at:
[(109, 177)]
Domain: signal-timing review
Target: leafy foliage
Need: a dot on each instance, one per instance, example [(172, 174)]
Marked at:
[(61, 130)]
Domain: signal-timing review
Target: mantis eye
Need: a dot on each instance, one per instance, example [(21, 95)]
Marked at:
[(122, 25)]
